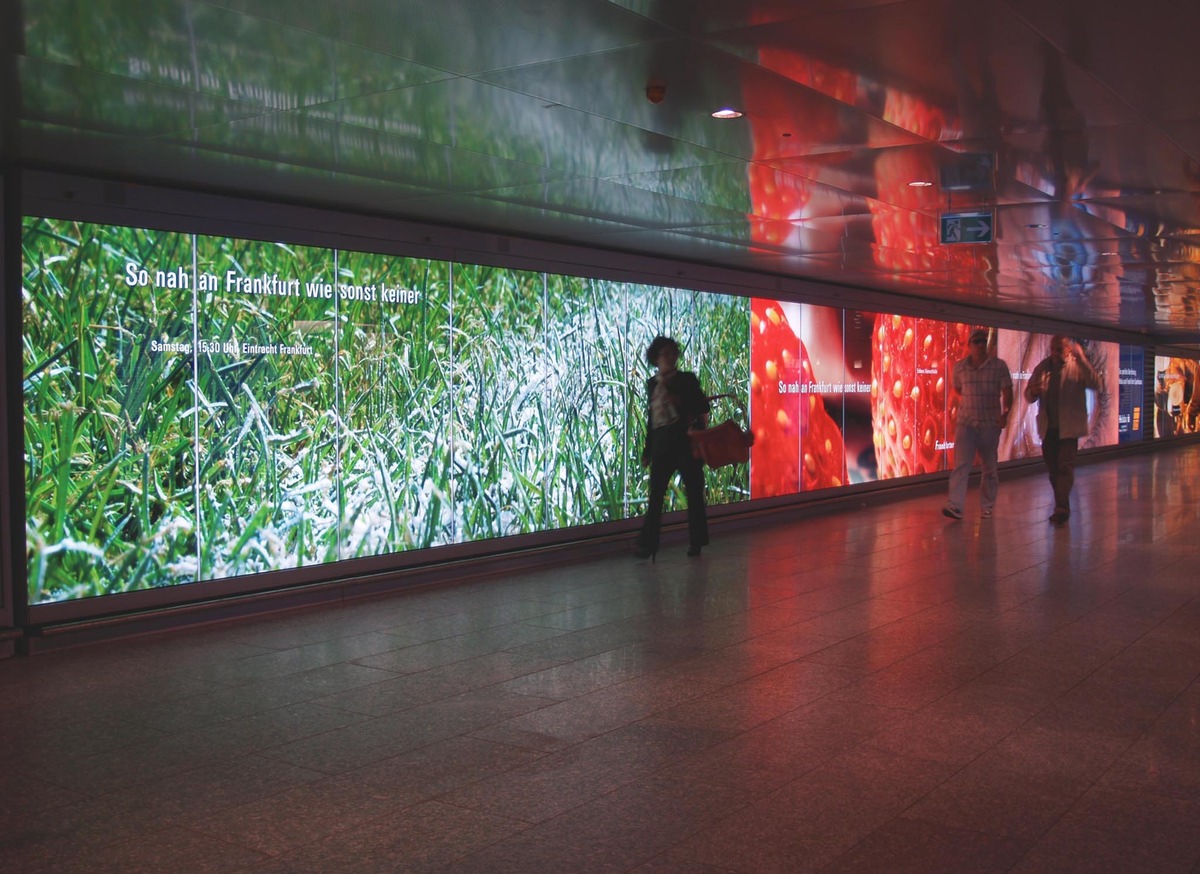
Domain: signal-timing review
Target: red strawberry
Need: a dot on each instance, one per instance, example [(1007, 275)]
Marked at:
[(774, 415), (798, 446), (822, 449), (913, 403)]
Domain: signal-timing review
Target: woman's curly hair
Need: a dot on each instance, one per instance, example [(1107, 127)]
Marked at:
[(656, 347)]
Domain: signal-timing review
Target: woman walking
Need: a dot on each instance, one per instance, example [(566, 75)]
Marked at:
[(675, 405)]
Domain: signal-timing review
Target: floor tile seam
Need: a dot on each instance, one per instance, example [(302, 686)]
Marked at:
[(448, 636), (148, 837), (906, 812), (532, 823), (1190, 795), (617, 589), (903, 619), (864, 746), (443, 641), (1090, 614), (720, 686), (660, 672), (946, 694), (137, 720), (696, 689), (337, 711), (533, 670), (1098, 782), (513, 650), (657, 717), (667, 857), (557, 700), (735, 735), (344, 772), (922, 652), (1021, 570), (728, 812), (266, 751), (832, 865), (460, 858), (125, 788), (1163, 714), (1028, 844), (525, 825), (175, 819), (1080, 799), (103, 755), (537, 755), (223, 835), (271, 678), (1028, 720), (1033, 641), (1115, 656), (820, 613), (632, 617), (1059, 697)]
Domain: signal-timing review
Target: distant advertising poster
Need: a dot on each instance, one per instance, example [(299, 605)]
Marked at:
[(1022, 351), (200, 408), (1133, 386), (1176, 405), (842, 397)]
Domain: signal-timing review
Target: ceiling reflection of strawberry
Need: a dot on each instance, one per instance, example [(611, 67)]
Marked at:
[(914, 406), (779, 129)]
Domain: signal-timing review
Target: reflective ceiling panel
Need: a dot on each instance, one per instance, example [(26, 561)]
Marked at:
[(864, 122)]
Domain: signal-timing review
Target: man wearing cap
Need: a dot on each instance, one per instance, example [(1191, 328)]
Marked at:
[(985, 385)]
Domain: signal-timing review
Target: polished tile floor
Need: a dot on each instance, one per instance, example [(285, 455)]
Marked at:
[(880, 689)]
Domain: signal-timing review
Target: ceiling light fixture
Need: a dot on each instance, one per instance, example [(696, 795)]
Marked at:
[(920, 183), (727, 112)]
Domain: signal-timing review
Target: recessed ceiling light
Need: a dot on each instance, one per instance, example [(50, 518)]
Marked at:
[(920, 184), (727, 112), (1035, 226)]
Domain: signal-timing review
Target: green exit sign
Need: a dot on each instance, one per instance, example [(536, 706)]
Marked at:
[(967, 227)]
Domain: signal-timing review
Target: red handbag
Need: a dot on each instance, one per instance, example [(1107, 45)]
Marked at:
[(723, 444)]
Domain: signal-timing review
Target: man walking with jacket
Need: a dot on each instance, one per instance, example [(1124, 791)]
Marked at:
[(1059, 384)]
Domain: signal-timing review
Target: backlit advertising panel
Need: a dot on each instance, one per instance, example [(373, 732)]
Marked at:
[(1176, 404), (201, 408), (1130, 420)]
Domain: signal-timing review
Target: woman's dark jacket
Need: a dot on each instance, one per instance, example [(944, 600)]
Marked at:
[(689, 401)]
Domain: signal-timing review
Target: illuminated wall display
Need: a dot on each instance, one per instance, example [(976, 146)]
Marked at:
[(1176, 406), (846, 396), (199, 408), (1132, 394), (202, 408)]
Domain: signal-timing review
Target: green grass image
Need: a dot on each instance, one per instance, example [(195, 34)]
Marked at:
[(108, 436), (394, 384), (190, 422)]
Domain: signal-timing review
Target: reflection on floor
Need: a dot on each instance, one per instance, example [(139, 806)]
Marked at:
[(877, 690)]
